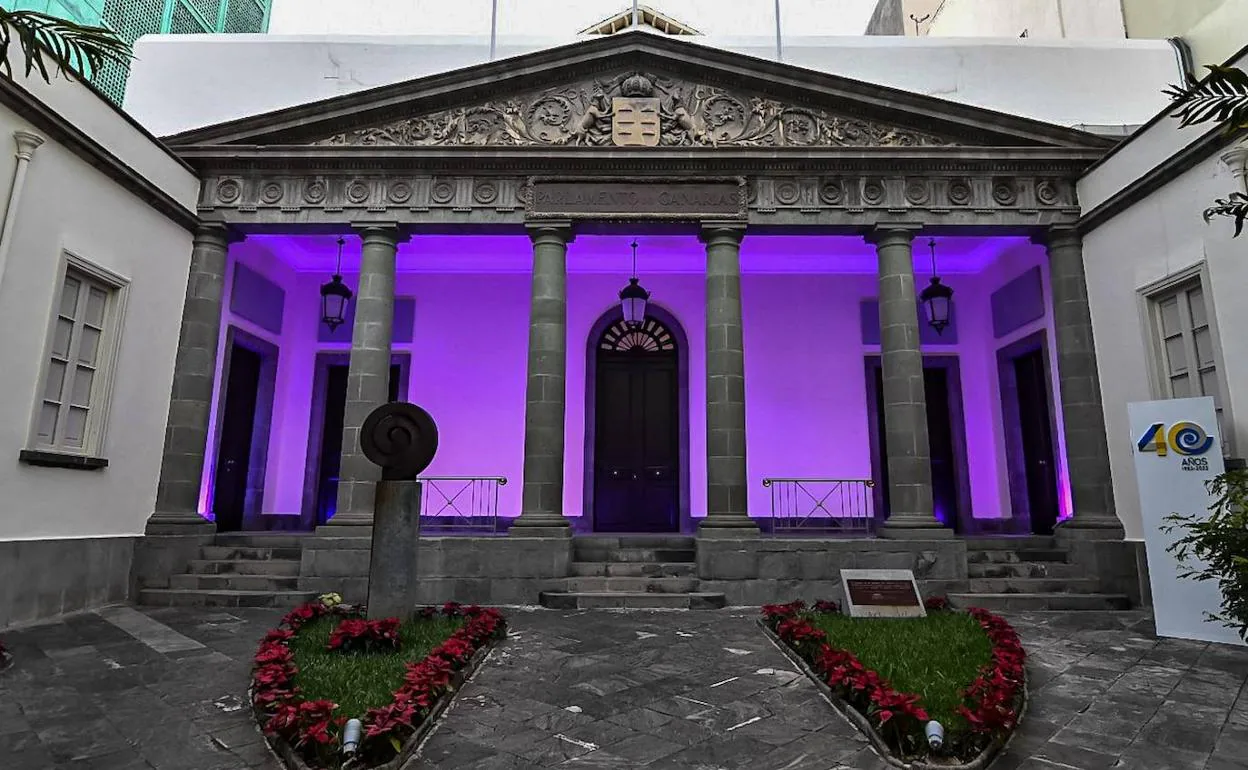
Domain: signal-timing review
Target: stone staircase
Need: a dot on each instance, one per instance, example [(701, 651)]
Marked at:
[(633, 571), (1028, 574), (237, 570)]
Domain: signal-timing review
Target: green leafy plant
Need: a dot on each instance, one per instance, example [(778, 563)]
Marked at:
[(1221, 97), (1219, 542), (67, 45)]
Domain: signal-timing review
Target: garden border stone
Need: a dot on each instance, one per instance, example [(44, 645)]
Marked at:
[(980, 762), (289, 758)]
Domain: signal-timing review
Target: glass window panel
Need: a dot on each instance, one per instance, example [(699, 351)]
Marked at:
[(47, 422), (1179, 387), (1209, 385), (88, 346), (1169, 308), (62, 336), (69, 297), (97, 300), (1196, 298), (83, 379), (56, 381), (1204, 348), (75, 426), (1176, 355)]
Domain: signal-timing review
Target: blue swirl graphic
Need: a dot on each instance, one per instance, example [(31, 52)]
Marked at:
[(1188, 438)]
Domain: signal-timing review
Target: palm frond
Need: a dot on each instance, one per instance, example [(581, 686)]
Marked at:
[(80, 48), (1235, 206), (1221, 97)]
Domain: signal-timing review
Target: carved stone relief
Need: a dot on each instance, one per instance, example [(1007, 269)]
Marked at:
[(637, 109)]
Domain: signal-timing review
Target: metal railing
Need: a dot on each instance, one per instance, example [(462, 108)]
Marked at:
[(457, 504), (822, 506)]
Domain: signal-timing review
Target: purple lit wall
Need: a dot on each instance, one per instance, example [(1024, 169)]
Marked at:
[(802, 303)]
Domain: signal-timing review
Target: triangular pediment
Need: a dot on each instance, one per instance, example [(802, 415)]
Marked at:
[(632, 91)]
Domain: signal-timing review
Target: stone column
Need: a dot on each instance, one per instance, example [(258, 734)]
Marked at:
[(541, 511), (190, 402), (911, 514), (726, 481), (368, 373), (1083, 417)]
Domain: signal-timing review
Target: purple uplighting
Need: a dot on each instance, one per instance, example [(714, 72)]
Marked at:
[(806, 397)]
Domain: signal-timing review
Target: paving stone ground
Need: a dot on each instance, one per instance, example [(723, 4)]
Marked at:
[(695, 690)]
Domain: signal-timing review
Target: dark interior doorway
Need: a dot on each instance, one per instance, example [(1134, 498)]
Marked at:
[(1028, 421), (637, 417), (243, 430), (330, 399), (946, 440)]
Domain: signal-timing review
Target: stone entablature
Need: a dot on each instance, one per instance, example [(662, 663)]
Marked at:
[(850, 200)]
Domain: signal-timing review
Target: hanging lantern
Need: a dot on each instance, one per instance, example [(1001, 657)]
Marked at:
[(633, 298), (937, 298), (335, 296)]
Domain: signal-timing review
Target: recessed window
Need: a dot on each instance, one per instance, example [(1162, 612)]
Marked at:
[(77, 372), (1186, 355)]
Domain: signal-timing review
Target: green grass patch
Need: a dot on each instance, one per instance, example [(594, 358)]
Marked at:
[(936, 657), (359, 682)]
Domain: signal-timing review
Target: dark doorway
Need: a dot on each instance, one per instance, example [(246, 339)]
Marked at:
[(946, 440), (234, 450), (637, 430), (1028, 421), (330, 449)]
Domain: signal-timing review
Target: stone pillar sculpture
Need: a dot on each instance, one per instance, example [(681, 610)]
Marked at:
[(726, 482), (911, 513), (368, 373), (541, 511)]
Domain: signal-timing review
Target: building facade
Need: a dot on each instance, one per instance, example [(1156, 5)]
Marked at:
[(131, 19)]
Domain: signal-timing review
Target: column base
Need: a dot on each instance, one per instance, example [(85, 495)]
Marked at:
[(179, 524), (728, 527), (918, 528), (540, 526), (1085, 527)]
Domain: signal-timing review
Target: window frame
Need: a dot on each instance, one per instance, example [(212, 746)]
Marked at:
[(1178, 283), (102, 386)]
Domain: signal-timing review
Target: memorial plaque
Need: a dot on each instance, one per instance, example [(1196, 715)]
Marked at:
[(882, 593), (637, 199)]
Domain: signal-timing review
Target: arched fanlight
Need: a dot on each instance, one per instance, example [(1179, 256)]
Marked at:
[(335, 296), (633, 298), (937, 298)]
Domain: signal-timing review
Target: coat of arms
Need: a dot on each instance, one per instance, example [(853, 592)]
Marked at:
[(635, 121)]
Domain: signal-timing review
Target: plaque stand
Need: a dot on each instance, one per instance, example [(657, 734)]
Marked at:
[(392, 581)]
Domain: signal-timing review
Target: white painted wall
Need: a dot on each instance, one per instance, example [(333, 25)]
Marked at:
[(1156, 238), (1039, 18), (181, 82), (69, 205)]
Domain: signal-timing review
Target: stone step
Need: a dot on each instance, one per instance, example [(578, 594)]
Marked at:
[(592, 600), (261, 539), (1029, 585), (660, 585), (633, 569), (999, 556), (171, 597), (272, 583), (1023, 569), (280, 567), (233, 552), (1008, 542), (669, 542), (1041, 602), (652, 555)]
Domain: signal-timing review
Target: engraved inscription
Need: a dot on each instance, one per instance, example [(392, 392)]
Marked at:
[(636, 199)]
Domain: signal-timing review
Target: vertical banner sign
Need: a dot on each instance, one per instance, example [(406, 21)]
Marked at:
[(1177, 451)]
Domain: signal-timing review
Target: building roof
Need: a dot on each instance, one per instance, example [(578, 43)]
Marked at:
[(645, 15)]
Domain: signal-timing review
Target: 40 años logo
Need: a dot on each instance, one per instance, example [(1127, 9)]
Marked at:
[(1183, 438)]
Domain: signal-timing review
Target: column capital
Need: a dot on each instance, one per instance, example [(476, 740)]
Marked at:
[(719, 232), (551, 231), (1059, 237), (379, 232), (27, 142), (215, 234), (893, 234)]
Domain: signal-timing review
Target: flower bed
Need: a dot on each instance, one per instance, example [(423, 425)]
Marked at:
[(990, 707), (308, 733)]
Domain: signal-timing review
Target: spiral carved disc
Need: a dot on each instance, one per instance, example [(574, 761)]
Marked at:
[(401, 438)]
